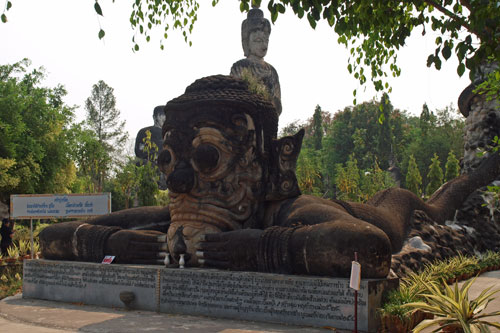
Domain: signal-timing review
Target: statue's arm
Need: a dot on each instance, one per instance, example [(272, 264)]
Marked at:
[(324, 249), (134, 236), (311, 238)]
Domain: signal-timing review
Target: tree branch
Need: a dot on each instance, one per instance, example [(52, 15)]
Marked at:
[(460, 20)]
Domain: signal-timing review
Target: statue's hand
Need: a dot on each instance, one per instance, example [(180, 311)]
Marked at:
[(137, 247), (235, 250)]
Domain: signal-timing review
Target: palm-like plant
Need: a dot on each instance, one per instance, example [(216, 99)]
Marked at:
[(36, 248), (23, 247), (13, 251), (452, 308)]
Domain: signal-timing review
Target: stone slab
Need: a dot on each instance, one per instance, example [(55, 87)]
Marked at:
[(90, 283), (276, 298)]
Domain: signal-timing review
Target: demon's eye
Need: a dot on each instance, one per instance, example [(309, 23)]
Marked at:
[(164, 160), (206, 157)]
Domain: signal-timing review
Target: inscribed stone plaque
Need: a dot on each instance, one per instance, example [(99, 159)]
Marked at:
[(278, 298), (90, 283)]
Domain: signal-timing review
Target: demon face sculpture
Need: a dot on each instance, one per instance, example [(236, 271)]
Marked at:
[(218, 164)]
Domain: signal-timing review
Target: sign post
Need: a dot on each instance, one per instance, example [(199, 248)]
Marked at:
[(31, 237), (46, 206), (355, 284)]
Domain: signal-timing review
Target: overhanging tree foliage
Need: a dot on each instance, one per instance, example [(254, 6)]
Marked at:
[(374, 31)]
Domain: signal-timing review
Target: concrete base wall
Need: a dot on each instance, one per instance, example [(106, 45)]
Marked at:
[(287, 299)]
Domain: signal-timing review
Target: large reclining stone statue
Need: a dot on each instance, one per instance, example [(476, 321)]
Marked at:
[(235, 203)]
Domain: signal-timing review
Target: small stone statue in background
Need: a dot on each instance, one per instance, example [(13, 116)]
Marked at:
[(159, 119), (255, 31), (156, 138)]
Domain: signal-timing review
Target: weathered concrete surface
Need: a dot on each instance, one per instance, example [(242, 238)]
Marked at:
[(275, 298), (39, 316)]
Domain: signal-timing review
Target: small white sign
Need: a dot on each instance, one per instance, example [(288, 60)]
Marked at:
[(108, 260), (42, 206), (355, 275)]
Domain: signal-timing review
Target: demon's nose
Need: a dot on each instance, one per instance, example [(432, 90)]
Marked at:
[(181, 180)]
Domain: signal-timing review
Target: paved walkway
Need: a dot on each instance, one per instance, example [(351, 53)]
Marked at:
[(37, 316)]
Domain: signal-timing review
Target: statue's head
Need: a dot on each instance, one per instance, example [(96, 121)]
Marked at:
[(255, 31), (221, 159), (159, 115)]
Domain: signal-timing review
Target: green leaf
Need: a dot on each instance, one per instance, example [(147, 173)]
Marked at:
[(446, 52), (312, 21), (437, 63), (430, 60), (136, 47), (381, 118), (274, 16), (101, 34), (331, 21), (97, 8), (4, 18), (300, 12), (461, 69), (9, 5)]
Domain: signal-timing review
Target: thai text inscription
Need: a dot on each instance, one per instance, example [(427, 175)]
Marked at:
[(257, 295), (79, 275)]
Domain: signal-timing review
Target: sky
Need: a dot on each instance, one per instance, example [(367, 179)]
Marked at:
[(61, 36)]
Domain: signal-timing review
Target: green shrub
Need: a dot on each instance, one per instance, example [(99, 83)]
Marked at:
[(452, 307)]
